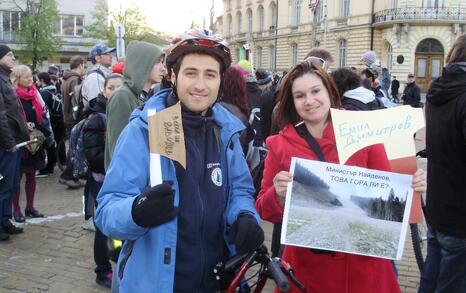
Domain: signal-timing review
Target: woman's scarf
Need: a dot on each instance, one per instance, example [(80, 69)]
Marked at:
[(31, 94)]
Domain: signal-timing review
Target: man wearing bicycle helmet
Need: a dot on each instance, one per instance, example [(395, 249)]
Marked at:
[(177, 231)]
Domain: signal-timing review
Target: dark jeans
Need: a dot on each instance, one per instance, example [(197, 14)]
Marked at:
[(10, 169), (100, 240), (445, 267)]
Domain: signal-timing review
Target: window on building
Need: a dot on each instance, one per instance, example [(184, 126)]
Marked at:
[(345, 8), (70, 25), (249, 15), (260, 12), (79, 26), (320, 11), (343, 51), (394, 4), (238, 22), (297, 12), (389, 57), (433, 3), (229, 25), (67, 28), (273, 15), (294, 54), (10, 21), (272, 58), (259, 57)]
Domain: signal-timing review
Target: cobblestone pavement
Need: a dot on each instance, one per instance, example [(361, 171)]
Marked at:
[(56, 255)]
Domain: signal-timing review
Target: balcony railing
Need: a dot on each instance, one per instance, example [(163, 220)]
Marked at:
[(419, 13)]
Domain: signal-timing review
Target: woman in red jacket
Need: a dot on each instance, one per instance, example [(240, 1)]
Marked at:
[(306, 95)]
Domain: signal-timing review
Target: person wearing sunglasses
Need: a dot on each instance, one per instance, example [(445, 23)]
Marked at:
[(320, 57)]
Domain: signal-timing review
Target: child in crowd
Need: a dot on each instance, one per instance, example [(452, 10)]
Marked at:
[(94, 148)]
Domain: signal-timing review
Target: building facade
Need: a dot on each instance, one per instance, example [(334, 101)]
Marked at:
[(74, 16), (281, 32)]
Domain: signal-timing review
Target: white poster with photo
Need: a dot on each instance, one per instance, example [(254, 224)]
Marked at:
[(347, 209)]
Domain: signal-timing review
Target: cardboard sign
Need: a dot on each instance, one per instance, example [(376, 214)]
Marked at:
[(347, 209), (392, 127), (166, 138)]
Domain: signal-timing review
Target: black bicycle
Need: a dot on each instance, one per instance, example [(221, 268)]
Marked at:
[(238, 273)]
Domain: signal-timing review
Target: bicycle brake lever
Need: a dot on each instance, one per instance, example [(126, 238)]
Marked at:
[(288, 270)]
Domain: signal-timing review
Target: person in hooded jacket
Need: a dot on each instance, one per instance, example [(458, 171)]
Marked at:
[(354, 96), (445, 266), (307, 93), (176, 232), (71, 78), (94, 149), (143, 67)]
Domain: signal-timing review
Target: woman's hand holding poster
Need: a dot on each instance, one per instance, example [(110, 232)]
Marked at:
[(352, 209)]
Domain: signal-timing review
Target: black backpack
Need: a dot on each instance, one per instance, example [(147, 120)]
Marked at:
[(56, 109)]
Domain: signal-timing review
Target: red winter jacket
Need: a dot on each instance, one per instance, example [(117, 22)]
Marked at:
[(342, 273)]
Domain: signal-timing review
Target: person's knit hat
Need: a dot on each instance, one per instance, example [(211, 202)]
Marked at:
[(369, 57), (118, 67), (4, 50), (263, 77), (245, 68)]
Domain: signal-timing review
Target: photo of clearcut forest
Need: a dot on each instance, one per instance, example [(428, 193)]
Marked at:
[(325, 216)]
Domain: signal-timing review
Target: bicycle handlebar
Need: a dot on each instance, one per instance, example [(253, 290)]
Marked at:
[(277, 275)]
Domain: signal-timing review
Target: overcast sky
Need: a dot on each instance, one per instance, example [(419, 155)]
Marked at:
[(172, 16)]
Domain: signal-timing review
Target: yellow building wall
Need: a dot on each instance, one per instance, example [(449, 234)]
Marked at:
[(357, 32)]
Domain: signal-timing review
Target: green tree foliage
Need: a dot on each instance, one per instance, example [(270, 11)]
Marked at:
[(391, 209), (307, 178), (39, 19), (133, 19)]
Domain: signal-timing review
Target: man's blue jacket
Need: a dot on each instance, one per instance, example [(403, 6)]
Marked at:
[(147, 259)]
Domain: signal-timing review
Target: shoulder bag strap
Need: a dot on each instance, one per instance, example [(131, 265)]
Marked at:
[(304, 133)]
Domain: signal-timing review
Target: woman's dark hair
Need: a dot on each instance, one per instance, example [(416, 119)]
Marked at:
[(345, 79), (457, 52), (286, 111), (45, 77), (234, 90)]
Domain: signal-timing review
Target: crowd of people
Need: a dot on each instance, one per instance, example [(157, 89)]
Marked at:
[(237, 121)]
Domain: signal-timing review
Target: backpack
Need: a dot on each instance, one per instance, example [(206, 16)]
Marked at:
[(78, 157), (57, 104), (78, 98)]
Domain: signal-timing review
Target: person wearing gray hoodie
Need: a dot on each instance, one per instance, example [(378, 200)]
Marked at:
[(143, 67)]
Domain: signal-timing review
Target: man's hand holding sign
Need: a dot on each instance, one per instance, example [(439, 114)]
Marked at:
[(377, 203), (155, 205)]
